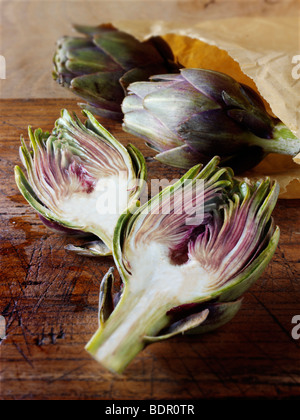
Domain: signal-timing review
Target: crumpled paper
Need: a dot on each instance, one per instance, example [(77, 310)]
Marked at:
[(261, 52)]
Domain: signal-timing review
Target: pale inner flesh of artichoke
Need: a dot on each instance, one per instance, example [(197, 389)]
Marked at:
[(183, 283), (156, 286), (99, 210)]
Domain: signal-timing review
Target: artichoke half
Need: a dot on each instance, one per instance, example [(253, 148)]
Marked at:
[(190, 117), (186, 257), (80, 179), (99, 67)]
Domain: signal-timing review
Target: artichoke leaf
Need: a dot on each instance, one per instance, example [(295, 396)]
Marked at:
[(181, 327), (80, 179), (90, 249)]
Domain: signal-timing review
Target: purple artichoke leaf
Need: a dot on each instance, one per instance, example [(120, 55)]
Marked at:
[(253, 97), (106, 305), (90, 249), (167, 104), (209, 112), (181, 157), (256, 122), (246, 159), (57, 227), (132, 103), (212, 84), (180, 327), (220, 313), (144, 88), (227, 138)]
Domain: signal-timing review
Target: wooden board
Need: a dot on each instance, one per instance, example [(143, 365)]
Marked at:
[(49, 299)]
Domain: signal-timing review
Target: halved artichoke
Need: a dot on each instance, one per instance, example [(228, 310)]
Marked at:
[(185, 258), (80, 179)]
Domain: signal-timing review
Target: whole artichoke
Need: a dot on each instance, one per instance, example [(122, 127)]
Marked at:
[(190, 117), (99, 67)]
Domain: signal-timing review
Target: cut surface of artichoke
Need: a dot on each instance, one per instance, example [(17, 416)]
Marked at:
[(181, 277), (80, 178), (99, 210)]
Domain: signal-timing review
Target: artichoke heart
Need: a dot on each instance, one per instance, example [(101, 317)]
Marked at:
[(186, 258), (80, 179)]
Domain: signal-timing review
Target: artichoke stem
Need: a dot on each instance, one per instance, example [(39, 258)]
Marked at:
[(283, 142), (121, 338)]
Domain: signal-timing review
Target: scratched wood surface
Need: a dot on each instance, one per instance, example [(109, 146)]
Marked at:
[(49, 299)]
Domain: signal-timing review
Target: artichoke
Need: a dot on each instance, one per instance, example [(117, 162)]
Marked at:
[(190, 117), (99, 67), (80, 179), (186, 257)]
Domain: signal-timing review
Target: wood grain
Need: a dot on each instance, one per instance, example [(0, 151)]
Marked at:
[(49, 299)]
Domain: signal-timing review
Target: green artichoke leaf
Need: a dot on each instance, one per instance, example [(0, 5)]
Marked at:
[(99, 67), (88, 87), (80, 179)]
